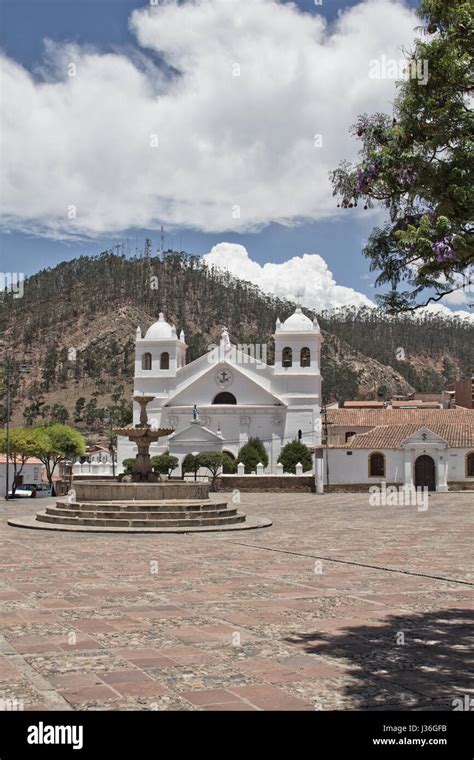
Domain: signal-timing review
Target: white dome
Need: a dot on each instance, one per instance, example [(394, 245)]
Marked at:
[(298, 322), (160, 330)]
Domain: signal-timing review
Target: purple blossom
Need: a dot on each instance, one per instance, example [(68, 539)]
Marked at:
[(443, 249)]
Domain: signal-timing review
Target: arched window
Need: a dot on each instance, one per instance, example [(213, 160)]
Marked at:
[(376, 465), (287, 357), (146, 361), (225, 398), (305, 357), (349, 435), (165, 360), (470, 465)]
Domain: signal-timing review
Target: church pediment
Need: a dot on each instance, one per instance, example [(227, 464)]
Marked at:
[(225, 377), (424, 436), (195, 433)]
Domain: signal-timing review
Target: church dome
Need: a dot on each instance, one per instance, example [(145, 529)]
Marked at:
[(160, 330), (298, 322)]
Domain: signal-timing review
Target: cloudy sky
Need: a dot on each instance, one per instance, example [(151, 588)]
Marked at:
[(218, 119)]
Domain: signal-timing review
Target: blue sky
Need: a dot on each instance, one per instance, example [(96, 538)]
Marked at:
[(104, 25)]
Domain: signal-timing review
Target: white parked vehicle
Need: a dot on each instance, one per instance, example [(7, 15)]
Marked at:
[(32, 491)]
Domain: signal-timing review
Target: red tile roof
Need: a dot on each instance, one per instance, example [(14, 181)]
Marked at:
[(458, 435), (354, 418), (31, 460), (363, 404)]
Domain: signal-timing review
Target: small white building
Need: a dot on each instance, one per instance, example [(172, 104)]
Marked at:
[(98, 454), (230, 394), (437, 454), (31, 473)]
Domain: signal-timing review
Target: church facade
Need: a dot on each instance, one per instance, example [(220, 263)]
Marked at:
[(230, 394)]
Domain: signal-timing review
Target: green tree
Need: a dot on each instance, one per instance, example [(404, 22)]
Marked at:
[(63, 444), (213, 461), (295, 452), (59, 413), (259, 446), (128, 465), (230, 464), (50, 367), (251, 454), (79, 409), (164, 463), (25, 443), (419, 165), (190, 463)]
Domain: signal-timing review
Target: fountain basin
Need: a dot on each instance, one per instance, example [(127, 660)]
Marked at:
[(107, 490)]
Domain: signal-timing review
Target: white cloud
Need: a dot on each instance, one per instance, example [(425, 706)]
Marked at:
[(83, 141), (444, 311), (306, 275)]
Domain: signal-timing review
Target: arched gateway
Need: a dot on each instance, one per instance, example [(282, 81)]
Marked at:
[(425, 473)]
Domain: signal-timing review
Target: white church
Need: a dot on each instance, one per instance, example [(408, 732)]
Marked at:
[(228, 395)]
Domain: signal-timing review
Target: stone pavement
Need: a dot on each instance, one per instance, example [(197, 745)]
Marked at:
[(339, 605)]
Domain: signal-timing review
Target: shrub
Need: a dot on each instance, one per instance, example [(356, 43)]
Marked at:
[(164, 463), (251, 454), (128, 465), (295, 452), (213, 461)]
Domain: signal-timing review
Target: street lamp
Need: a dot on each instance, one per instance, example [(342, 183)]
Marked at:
[(23, 368), (109, 417)]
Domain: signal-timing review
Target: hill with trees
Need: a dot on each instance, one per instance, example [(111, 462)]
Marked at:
[(75, 326)]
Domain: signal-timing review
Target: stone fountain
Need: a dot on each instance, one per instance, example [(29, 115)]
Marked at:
[(140, 502), (143, 435)]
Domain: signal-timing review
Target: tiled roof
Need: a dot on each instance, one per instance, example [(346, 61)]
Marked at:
[(373, 417), (416, 404), (31, 460), (363, 404), (457, 435)]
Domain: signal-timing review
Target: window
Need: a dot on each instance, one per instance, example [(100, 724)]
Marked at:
[(287, 357), (376, 465), (165, 360), (225, 398), (305, 357), (470, 465), (146, 361), (349, 435)]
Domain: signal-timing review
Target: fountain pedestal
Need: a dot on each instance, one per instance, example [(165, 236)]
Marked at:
[(143, 435)]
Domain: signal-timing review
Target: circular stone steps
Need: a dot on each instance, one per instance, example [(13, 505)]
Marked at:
[(149, 515), (140, 523), (96, 511)]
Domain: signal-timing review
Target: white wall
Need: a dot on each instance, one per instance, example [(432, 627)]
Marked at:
[(354, 468), (31, 474)]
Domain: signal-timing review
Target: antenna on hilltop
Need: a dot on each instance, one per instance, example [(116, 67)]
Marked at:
[(162, 242)]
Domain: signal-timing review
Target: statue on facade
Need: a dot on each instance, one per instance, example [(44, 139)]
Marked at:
[(195, 412)]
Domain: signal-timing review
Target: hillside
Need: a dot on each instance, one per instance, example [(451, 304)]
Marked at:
[(76, 326)]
